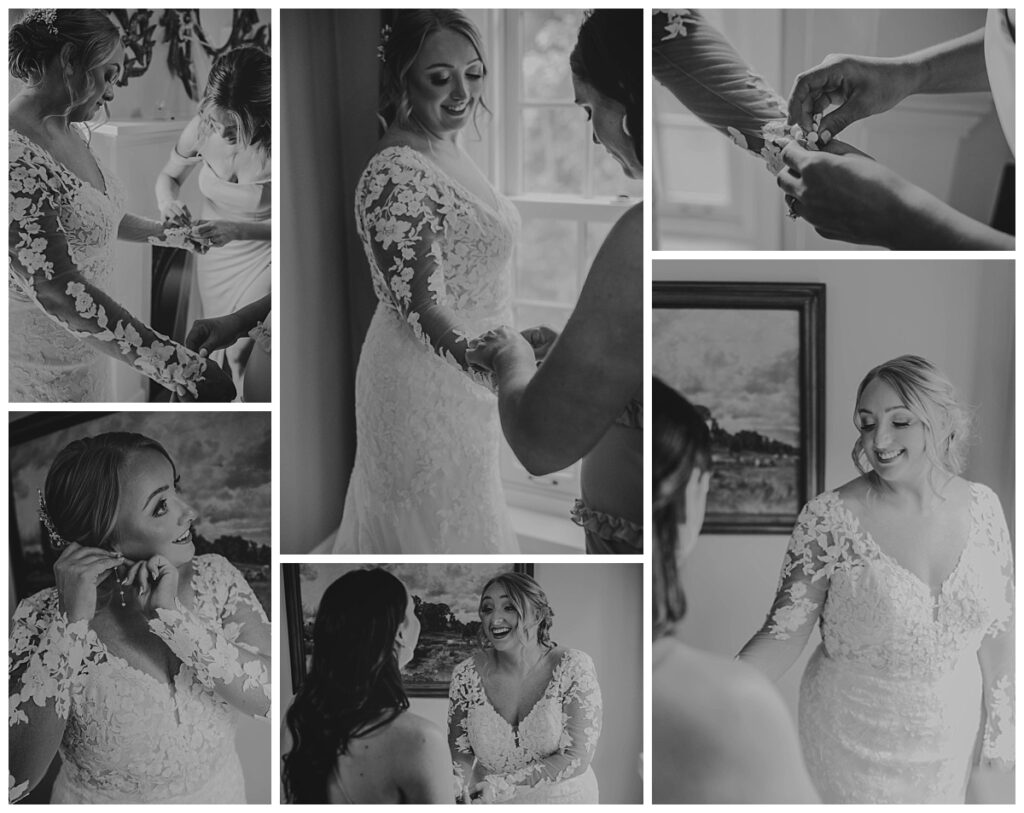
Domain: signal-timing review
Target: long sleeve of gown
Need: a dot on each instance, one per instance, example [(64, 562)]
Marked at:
[(458, 723), (581, 728), (996, 654), (46, 652), (812, 554), (696, 63), (43, 268), (405, 221), (229, 655)]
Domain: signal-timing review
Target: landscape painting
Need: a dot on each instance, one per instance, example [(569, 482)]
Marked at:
[(749, 358), (446, 597)]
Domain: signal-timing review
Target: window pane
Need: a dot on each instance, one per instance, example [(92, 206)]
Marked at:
[(534, 315), (553, 150), (546, 261), (607, 177), (694, 164), (548, 39)]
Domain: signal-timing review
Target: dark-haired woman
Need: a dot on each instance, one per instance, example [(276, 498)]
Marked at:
[(349, 736), (134, 667), (524, 714), (721, 733), (584, 400), (438, 239), (66, 210), (230, 140)]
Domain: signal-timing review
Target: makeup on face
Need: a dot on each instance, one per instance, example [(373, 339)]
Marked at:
[(446, 82), (498, 616), (892, 436), (606, 117)]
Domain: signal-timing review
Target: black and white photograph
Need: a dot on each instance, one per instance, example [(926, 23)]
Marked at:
[(464, 233), (879, 128), (132, 277), (139, 597), (542, 701), (878, 666)]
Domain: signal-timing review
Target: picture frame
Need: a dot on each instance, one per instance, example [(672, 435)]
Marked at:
[(751, 356), (446, 595), (224, 462)]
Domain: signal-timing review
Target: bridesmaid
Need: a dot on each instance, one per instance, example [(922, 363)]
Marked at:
[(230, 137)]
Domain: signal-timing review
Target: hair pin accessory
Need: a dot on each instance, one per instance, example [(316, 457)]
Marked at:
[(47, 16)]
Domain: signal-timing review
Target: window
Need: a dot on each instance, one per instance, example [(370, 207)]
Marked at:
[(568, 190)]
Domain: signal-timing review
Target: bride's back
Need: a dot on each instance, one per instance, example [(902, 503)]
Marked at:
[(403, 761)]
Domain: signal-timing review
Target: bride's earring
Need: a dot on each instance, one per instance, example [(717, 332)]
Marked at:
[(625, 127), (120, 586)]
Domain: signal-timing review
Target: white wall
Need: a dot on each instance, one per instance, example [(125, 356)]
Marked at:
[(598, 609), (958, 314)]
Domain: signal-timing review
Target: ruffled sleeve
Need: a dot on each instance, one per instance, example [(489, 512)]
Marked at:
[(996, 654), (402, 218), (459, 703), (46, 654), (42, 268), (815, 549), (580, 696), (229, 654)]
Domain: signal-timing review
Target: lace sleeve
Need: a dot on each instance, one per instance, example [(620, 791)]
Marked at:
[(42, 268), (46, 652), (229, 656), (996, 653), (403, 223), (695, 63), (814, 551), (581, 714), (463, 758)]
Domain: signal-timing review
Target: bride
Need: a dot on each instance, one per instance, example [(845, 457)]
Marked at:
[(65, 213), (134, 666), (438, 239)]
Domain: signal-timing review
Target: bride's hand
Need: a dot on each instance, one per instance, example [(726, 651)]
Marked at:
[(78, 571), (858, 86), (541, 339), (156, 580), (497, 348)]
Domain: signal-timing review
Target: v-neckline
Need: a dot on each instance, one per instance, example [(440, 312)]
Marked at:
[(934, 595), (83, 182), (492, 208), (514, 727)]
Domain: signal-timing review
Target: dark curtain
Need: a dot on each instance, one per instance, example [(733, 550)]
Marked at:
[(329, 89)]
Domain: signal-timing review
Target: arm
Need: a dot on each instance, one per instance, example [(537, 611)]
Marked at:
[(179, 164), (135, 229), (207, 335), (222, 232), (581, 713), (232, 657), (404, 225), (554, 414), (42, 268), (46, 652), (424, 769), (800, 596), (463, 759)]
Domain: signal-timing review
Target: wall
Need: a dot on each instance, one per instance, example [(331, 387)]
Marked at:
[(598, 609), (959, 314)]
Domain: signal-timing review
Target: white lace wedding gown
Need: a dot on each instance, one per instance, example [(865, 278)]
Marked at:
[(893, 702), (546, 758), (426, 477), (129, 737), (61, 235)]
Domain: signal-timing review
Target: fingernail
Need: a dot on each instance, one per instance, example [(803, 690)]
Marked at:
[(826, 136)]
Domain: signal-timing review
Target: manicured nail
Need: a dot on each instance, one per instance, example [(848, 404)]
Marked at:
[(826, 136)]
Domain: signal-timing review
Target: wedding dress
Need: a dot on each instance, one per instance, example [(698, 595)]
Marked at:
[(546, 758), (894, 700), (61, 251), (426, 476), (130, 737)]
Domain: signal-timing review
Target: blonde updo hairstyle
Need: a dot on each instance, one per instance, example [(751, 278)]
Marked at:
[(84, 39), (407, 33), (524, 592), (931, 398)]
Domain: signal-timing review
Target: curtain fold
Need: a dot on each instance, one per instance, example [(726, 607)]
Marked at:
[(329, 130)]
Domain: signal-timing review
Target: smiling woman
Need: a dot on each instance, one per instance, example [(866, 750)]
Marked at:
[(133, 666)]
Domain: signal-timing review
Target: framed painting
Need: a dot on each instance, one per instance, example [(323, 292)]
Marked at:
[(446, 598), (751, 358), (223, 459)]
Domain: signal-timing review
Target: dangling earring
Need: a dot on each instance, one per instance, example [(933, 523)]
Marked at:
[(120, 586), (625, 127)]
